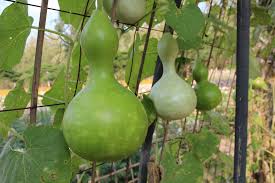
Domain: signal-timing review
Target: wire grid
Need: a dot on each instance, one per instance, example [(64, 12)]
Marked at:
[(212, 45)]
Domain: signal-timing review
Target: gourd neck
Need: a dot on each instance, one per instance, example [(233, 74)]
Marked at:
[(101, 70), (168, 67)]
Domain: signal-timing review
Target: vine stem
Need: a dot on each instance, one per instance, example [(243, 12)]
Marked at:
[(93, 172), (166, 124), (114, 10), (196, 121), (54, 32), (68, 59), (13, 131)]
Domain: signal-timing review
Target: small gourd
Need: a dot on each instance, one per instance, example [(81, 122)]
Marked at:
[(200, 72), (127, 11), (105, 121), (209, 95), (172, 96)]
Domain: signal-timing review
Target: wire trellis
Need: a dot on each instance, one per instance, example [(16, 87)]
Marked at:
[(145, 155)]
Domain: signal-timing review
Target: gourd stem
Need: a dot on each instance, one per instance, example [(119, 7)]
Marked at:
[(99, 4)]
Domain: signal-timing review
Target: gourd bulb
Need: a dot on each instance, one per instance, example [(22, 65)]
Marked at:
[(127, 11), (105, 121), (173, 98)]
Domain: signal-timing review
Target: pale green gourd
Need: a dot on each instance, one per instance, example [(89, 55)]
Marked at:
[(127, 11), (105, 121), (172, 96)]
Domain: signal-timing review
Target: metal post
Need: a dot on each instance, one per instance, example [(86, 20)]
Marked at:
[(243, 23), (146, 147), (37, 62)]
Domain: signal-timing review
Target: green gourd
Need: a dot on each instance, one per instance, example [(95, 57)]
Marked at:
[(127, 11), (209, 96), (172, 96), (105, 121), (200, 72)]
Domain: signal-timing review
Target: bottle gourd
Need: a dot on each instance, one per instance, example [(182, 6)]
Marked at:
[(172, 96), (127, 11), (105, 121)]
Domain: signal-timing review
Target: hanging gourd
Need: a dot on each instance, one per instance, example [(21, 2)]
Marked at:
[(209, 95), (127, 11), (200, 72), (172, 96), (105, 121)]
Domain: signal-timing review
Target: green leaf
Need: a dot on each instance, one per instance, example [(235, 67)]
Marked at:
[(150, 109), (15, 27), (17, 98), (203, 144), (75, 7), (254, 67), (223, 164), (58, 117), (191, 169), (190, 44), (260, 16), (57, 90), (267, 50), (133, 65), (188, 22), (219, 24), (183, 60), (44, 158), (218, 122)]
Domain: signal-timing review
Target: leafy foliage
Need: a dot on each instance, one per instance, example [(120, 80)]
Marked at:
[(203, 144), (260, 16), (39, 160), (188, 22), (135, 56), (17, 98), (254, 67), (75, 7), (191, 169), (15, 27), (218, 122), (150, 108), (56, 93)]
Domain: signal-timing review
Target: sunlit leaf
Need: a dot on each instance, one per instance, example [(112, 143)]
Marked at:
[(188, 22), (17, 98), (15, 27)]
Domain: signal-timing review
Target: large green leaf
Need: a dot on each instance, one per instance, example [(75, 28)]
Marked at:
[(15, 27), (203, 144), (44, 158), (191, 169), (188, 22), (77, 7), (133, 65), (17, 98)]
